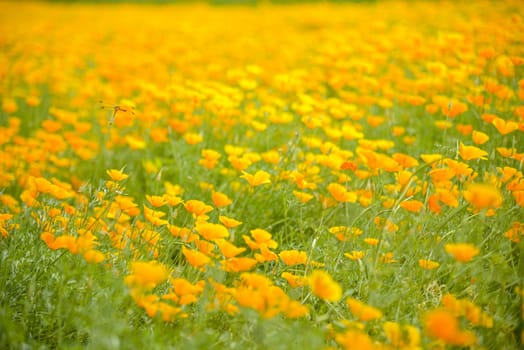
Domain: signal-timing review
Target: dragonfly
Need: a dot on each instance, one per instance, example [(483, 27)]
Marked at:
[(116, 109)]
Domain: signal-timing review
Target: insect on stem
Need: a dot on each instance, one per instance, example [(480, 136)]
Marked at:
[(116, 108)]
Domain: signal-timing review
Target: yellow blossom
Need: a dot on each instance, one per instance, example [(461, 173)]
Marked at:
[(259, 178), (116, 175), (324, 287), (463, 252)]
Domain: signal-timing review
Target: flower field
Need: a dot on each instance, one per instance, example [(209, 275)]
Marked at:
[(308, 176)]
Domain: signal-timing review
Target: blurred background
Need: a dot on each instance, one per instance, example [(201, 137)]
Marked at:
[(215, 2)]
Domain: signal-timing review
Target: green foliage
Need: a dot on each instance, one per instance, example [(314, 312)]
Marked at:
[(56, 296)]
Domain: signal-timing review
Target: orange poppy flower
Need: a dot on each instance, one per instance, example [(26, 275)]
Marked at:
[(479, 137), (262, 237), (220, 199), (154, 216), (94, 256), (147, 274), (355, 339), (483, 196), (462, 252), (259, 178), (294, 280), (116, 175), (413, 205), (293, 257), (211, 231), (362, 311), (265, 255), (197, 207), (195, 258), (229, 222), (441, 324), (324, 287), (228, 249), (355, 255), (471, 152), (428, 264), (303, 197), (236, 264), (341, 194), (504, 127), (156, 201)]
